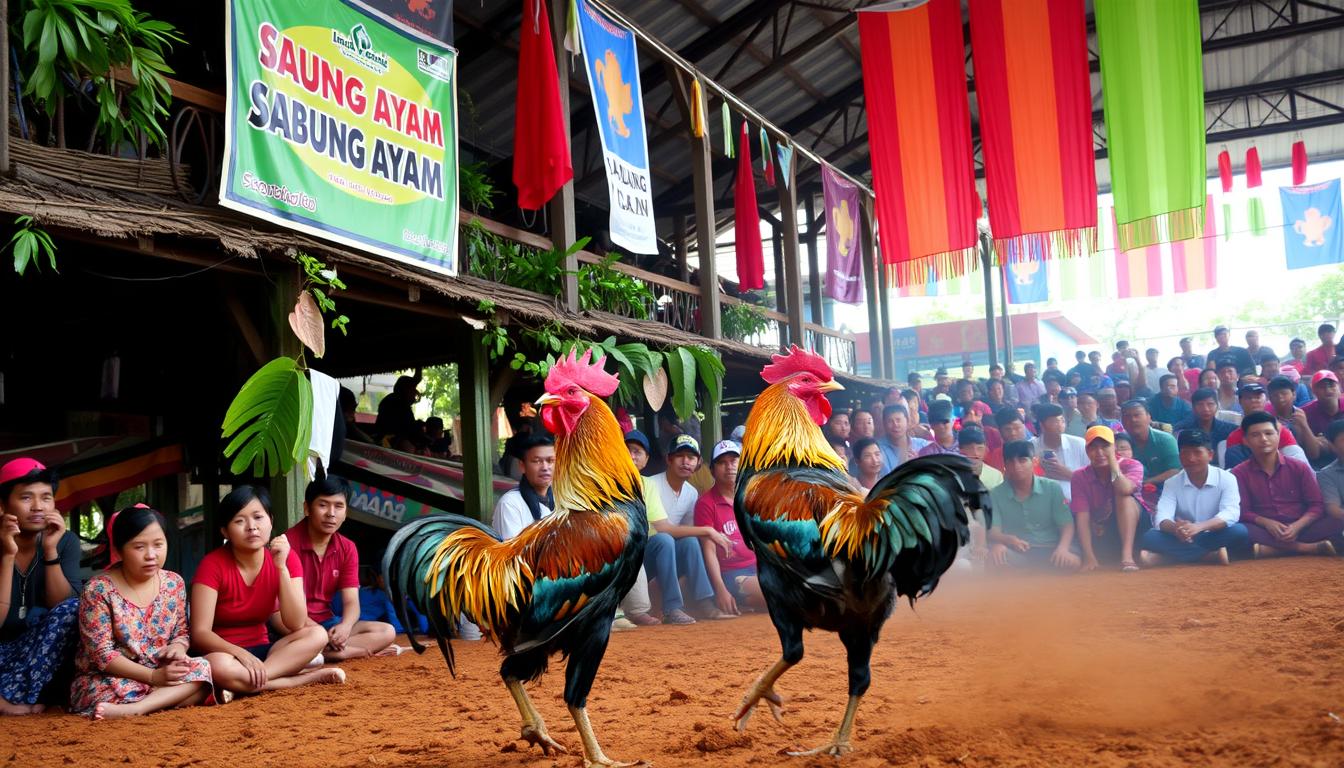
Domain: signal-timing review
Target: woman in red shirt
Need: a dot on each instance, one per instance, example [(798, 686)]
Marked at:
[(236, 589)]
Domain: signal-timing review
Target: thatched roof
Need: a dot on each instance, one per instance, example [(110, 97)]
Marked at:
[(119, 214)]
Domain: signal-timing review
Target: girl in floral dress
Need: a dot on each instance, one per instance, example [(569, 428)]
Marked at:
[(132, 657)]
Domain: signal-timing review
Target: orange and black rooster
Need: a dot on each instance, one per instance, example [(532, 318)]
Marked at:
[(828, 557), (556, 585)]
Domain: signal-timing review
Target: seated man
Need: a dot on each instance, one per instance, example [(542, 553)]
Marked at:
[(1282, 404), (1167, 406), (897, 445), (679, 536), (1060, 454), (330, 566), (1197, 516), (1107, 503), (532, 499), (733, 573), (1204, 417), (41, 603), (1251, 396), (1281, 501), (1325, 408), (940, 423), (1155, 449), (1031, 524), (1011, 427), (971, 444), (1331, 478)]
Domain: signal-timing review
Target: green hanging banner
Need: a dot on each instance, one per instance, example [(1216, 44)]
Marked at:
[(1153, 93), (342, 123)]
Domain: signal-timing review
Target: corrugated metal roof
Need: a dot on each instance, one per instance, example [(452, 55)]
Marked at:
[(777, 28)]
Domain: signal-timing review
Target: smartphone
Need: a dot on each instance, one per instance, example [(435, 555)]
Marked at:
[(1048, 455)]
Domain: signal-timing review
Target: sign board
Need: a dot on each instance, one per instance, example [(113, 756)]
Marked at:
[(342, 123)]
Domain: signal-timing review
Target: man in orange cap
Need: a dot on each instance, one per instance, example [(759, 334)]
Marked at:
[(1107, 502)]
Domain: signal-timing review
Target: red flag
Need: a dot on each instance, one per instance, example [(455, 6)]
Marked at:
[(1252, 168), (1225, 170), (1299, 163), (541, 160), (750, 255)]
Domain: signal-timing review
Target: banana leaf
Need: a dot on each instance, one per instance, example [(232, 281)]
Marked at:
[(270, 420)]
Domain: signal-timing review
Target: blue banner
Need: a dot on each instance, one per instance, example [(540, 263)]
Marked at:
[(613, 77), (1027, 280), (1311, 221)]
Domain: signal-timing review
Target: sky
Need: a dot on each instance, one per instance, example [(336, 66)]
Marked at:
[(1250, 269)]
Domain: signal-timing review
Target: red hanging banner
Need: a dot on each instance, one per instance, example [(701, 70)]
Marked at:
[(1035, 95), (914, 82), (541, 161), (747, 238)]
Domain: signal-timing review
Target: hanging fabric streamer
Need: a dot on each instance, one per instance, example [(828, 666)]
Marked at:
[(1299, 163), (747, 226), (767, 162), (697, 110), (1154, 117), (785, 152), (572, 42), (1252, 168), (727, 130), (1225, 170), (541, 157)]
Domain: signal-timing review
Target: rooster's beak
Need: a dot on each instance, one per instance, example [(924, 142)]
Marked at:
[(547, 399), (831, 386)]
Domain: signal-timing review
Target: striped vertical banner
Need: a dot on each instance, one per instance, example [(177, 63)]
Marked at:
[(1138, 272), (1194, 263)]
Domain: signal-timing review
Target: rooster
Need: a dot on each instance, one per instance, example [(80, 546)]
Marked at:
[(828, 557), (556, 585)]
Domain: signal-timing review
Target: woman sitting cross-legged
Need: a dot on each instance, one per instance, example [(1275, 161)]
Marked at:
[(133, 639), (234, 592)]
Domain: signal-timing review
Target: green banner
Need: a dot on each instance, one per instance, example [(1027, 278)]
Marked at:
[(343, 124)]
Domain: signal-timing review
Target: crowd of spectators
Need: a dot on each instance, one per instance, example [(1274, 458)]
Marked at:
[(1231, 454)]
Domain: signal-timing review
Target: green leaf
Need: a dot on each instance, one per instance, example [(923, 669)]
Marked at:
[(270, 420), (23, 252), (710, 369), (46, 45), (681, 370)]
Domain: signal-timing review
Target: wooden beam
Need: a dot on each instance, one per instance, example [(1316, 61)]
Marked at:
[(286, 490), (702, 176), (814, 276), (868, 255), (251, 337), (793, 279), (478, 451), (679, 241), (561, 207)]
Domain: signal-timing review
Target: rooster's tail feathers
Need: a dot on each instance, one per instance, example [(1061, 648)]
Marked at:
[(408, 561)]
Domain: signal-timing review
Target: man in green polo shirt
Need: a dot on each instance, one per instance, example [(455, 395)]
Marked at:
[(1032, 526), (1154, 449)]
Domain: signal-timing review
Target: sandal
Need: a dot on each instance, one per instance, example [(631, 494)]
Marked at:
[(1129, 566)]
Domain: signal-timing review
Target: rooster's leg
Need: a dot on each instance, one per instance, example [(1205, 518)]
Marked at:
[(592, 753), (859, 642), (763, 688), (839, 744), (534, 728)]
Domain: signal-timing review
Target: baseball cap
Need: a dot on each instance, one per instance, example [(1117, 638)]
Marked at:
[(940, 411), (724, 447), (1323, 377), (1193, 438), (1250, 388), (684, 443), (940, 372), (941, 397), (1281, 382), (638, 438), (1106, 392), (1099, 432), (24, 469), (1068, 392), (739, 433)]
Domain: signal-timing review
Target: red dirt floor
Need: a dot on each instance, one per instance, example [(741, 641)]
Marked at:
[(1202, 666)]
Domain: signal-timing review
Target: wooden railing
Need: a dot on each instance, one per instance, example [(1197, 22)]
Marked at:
[(838, 349)]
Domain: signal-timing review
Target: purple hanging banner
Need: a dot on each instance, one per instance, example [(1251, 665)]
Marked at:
[(844, 262)]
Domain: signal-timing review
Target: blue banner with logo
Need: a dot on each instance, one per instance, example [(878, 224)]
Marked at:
[(1027, 280), (613, 78), (1311, 221)]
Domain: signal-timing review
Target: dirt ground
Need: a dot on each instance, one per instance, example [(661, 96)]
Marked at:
[(1205, 666)]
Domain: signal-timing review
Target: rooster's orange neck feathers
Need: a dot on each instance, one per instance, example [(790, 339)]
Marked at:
[(593, 468)]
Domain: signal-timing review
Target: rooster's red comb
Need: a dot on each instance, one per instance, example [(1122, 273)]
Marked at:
[(583, 372), (796, 361)]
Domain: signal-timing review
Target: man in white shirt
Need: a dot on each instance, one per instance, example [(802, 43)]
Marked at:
[(1197, 516), (1061, 454), (679, 534), (532, 499)]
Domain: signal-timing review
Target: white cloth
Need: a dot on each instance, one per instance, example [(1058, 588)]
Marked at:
[(1181, 500), (325, 393), (680, 507), (512, 515), (637, 599), (1072, 453)]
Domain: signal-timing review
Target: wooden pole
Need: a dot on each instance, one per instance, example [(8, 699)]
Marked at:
[(679, 236), (990, 343), (4, 77), (478, 448), (702, 173), (814, 276), (869, 257), (286, 490), (788, 230), (561, 207)]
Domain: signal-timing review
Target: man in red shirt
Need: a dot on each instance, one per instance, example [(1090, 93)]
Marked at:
[(330, 565), (1325, 408), (1319, 358), (733, 575), (1281, 501)]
